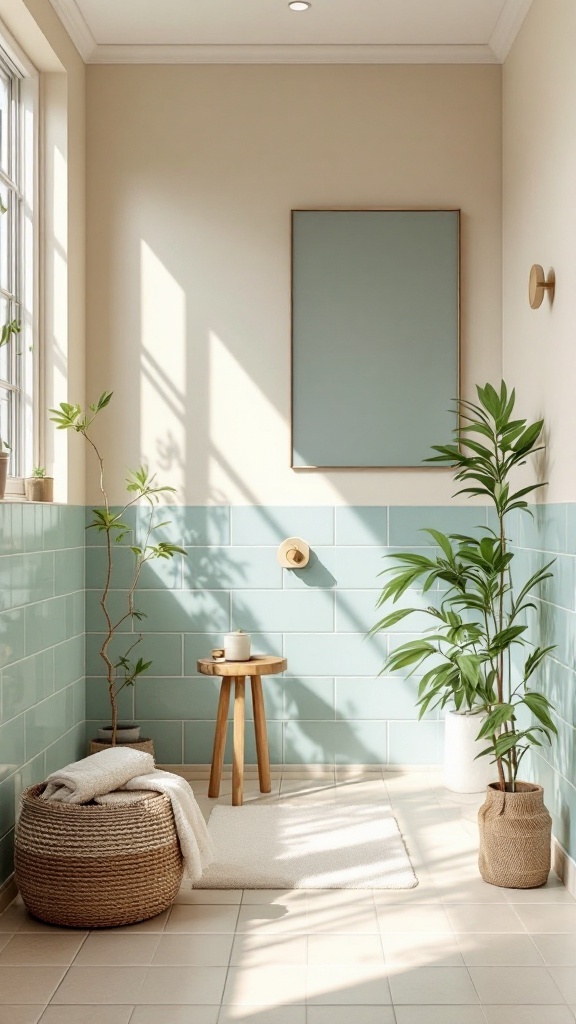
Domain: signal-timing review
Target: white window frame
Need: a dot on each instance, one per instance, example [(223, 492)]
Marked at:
[(28, 447)]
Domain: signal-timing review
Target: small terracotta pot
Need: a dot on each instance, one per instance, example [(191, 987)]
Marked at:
[(515, 837)]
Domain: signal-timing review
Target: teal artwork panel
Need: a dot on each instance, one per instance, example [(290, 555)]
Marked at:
[(375, 336)]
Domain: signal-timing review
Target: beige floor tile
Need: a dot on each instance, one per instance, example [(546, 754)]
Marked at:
[(545, 917), (177, 1015), (324, 950), (433, 985), (262, 1015), (529, 1015), (41, 950), (343, 919), (167, 985), (280, 897), (13, 917), (4, 940), (269, 951), (440, 1015), (87, 1015), (152, 924), (118, 949), (553, 892), (193, 951), (272, 919), (420, 949), (565, 978), (485, 950), (424, 892), (33, 925), (23, 985), (477, 917), (20, 1014), (114, 985), (350, 985), (474, 890), (266, 986), (556, 950), (211, 896), (415, 918), (516, 985), (318, 898), (347, 1014), (202, 918)]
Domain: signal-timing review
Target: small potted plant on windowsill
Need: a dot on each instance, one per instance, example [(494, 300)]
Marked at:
[(120, 670), (39, 487)]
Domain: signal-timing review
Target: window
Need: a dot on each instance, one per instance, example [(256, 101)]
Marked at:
[(17, 275)]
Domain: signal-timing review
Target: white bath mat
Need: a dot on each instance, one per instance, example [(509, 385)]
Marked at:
[(354, 846)]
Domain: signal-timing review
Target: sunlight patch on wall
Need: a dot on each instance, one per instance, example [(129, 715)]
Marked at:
[(163, 370)]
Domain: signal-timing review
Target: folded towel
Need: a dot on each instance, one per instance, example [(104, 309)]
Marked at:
[(81, 781), (195, 840)]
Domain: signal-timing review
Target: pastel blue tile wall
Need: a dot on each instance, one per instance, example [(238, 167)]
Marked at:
[(551, 534), (42, 651), (330, 707)]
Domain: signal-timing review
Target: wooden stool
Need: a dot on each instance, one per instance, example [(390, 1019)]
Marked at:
[(236, 671)]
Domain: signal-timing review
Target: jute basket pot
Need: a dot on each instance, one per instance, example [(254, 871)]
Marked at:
[(96, 865), (515, 837)]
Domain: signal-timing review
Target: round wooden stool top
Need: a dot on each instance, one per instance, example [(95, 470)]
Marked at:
[(258, 665)]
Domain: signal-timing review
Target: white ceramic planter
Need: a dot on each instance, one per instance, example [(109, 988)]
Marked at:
[(237, 646), (126, 732), (462, 774)]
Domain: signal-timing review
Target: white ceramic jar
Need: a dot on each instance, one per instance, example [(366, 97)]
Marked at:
[(237, 646)]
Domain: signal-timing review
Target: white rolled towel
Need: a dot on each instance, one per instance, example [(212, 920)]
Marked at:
[(81, 781)]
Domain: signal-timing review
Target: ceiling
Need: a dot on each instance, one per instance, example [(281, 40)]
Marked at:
[(266, 31)]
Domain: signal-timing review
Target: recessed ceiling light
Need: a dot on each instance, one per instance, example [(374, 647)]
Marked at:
[(299, 5)]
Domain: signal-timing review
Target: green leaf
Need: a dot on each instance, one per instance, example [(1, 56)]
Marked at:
[(528, 439), (391, 620)]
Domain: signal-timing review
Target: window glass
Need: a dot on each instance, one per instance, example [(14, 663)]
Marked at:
[(17, 175)]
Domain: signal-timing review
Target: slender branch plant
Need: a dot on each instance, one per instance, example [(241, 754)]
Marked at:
[(122, 670), (482, 616)]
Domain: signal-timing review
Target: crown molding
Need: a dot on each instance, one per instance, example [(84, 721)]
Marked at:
[(75, 24), (291, 54), (507, 27)]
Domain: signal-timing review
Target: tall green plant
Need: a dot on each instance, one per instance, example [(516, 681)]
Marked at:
[(123, 670), (482, 616)]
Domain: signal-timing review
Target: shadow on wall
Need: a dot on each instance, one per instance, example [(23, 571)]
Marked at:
[(330, 708)]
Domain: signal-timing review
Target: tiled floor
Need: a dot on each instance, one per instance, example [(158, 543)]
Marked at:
[(451, 951)]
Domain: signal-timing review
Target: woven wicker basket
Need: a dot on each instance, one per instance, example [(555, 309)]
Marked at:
[(515, 834), (96, 865)]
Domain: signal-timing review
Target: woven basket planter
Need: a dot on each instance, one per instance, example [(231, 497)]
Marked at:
[(515, 836), (96, 865)]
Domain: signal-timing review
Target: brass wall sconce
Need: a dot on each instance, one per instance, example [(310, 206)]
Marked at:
[(294, 553), (539, 284)]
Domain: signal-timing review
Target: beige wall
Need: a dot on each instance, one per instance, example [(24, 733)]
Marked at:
[(539, 160), (40, 35), (191, 175)]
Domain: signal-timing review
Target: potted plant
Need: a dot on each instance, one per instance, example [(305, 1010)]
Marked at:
[(39, 487), (8, 331), (476, 653), (121, 670)]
